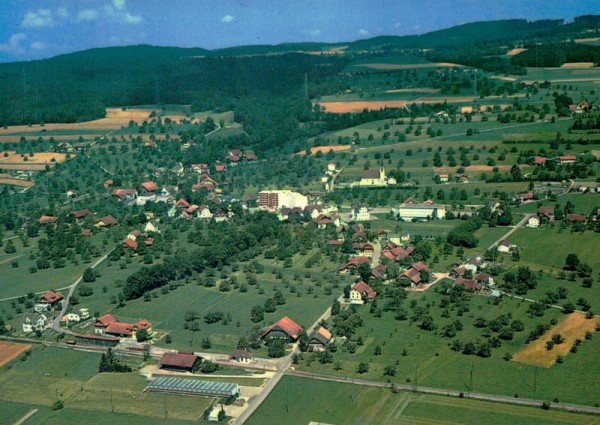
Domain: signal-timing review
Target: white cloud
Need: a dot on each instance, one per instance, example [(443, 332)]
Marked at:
[(40, 19), (363, 31), (227, 19), (312, 32), (119, 4), (38, 45), (62, 13), (13, 45), (87, 15), (128, 18)]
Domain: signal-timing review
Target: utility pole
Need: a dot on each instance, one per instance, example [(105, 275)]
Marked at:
[(306, 85), (471, 377)]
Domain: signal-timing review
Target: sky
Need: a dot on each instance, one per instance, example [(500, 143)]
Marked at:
[(35, 29)]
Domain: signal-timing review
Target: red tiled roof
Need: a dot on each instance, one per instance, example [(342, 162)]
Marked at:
[(150, 186), (568, 158), (46, 219), (219, 168), (525, 196), (105, 320), (413, 275), (82, 213), (123, 193), (325, 333), (546, 211), (576, 218), (143, 324), (288, 326), (86, 232), (178, 360), (130, 243), (539, 160), (420, 266), (469, 284), (182, 203), (363, 288), (370, 174), (118, 328), (109, 220), (50, 297)]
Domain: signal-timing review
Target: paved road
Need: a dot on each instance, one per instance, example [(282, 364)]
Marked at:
[(65, 304), (440, 391), (512, 230)]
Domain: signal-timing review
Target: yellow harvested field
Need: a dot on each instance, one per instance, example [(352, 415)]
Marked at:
[(499, 77), (566, 80), (115, 119), (11, 350), (571, 65), (475, 168), (39, 160), (325, 149), (413, 91), (16, 182), (409, 65), (359, 106), (515, 52), (571, 328), (587, 40), (9, 157)]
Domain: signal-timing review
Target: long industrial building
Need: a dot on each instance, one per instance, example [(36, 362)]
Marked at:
[(277, 199)]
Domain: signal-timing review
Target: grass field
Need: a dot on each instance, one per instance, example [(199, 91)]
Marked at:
[(429, 356), (301, 400)]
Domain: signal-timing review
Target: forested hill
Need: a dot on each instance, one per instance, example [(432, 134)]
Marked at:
[(78, 86)]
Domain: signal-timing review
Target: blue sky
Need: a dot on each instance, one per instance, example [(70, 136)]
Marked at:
[(32, 29)]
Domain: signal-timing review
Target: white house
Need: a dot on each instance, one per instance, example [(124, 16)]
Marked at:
[(41, 307), (71, 318), (533, 222), (34, 322), (360, 214), (505, 246), (204, 213)]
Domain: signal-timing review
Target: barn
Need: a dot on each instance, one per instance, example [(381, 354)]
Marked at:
[(180, 361)]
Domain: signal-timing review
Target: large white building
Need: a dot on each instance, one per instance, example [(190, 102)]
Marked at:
[(277, 199), (412, 209)]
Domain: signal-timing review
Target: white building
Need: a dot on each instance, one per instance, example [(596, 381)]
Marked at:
[(277, 199), (34, 322), (533, 222), (411, 209), (360, 214)]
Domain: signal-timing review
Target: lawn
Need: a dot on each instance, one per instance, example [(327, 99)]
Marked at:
[(301, 400), (12, 412), (75, 416), (584, 204), (548, 246)]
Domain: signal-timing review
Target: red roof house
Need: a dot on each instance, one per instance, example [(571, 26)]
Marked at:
[(364, 290), (51, 297), (285, 328), (48, 219), (179, 361)]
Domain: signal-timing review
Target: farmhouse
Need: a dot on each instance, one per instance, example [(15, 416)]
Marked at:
[(125, 194), (443, 178), (48, 219), (285, 329), (106, 221), (51, 298), (576, 218), (413, 274), (411, 209), (81, 214), (322, 221), (365, 249), (505, 246), (533, 222), (102, 323), (546, 212), (380, 271), (131, 244), (319, 339), (525, 196), (181, 361), (361, 292), (567, 159), (538, 160), (353, 264), (484, 279), (469, 284)]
